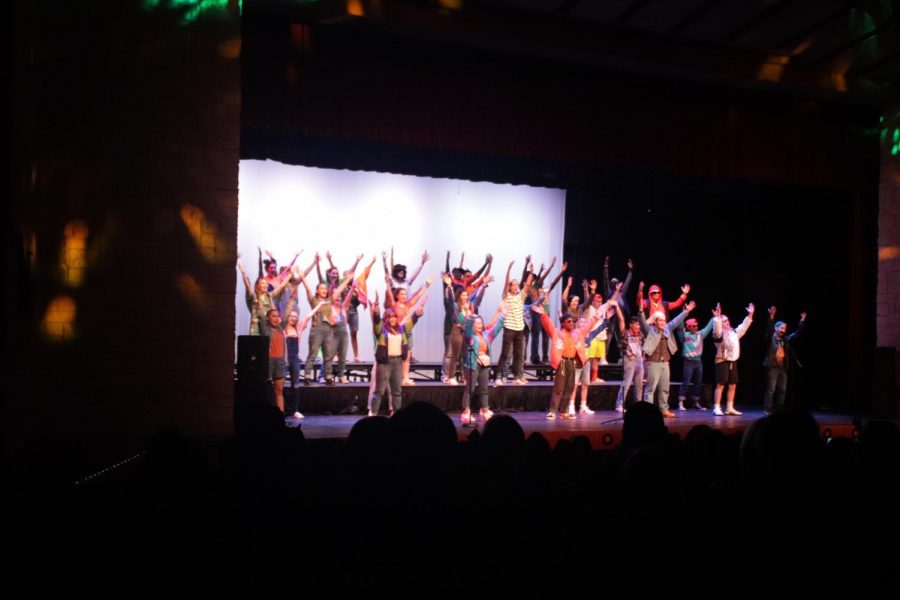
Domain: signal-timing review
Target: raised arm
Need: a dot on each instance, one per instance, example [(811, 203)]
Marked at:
[(565, 294), (620, 320), (388, 292), (685, 290), (556, 279), (387, 271), (247, 285), (319, 268), (425, 258), (628, 277), (745, 324), (525, 268), (421, 290), (717, 321), (280, 286), (545, 320), (261, 271), (605, 280), (415, 308), (352, 270), (447, 263), (677, 321), (496, 325), (289, 270), (770, 324), (477, 274), (527, 286), (506, 282), (799, 327), (549, 267), (309, 293)]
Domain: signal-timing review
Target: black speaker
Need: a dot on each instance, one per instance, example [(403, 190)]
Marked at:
[(252, 370)]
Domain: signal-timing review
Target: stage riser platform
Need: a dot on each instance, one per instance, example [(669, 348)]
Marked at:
[(352, 398)]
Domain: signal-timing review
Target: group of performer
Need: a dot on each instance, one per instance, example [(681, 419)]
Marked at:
[(577, 341)]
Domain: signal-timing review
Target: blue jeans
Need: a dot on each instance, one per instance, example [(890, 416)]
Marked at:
[(634, 375), (692, 377)]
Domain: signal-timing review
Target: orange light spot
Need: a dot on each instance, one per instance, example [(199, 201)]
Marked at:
[(205, 233), (355, 8), (58, 323), (888, 252), (72, 254), (773, 68)]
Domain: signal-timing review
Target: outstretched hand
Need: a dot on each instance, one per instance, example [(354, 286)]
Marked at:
[(750, 309), (803, 316), (686, 289), (717, 311), (690, 306), (772, 311), (630, 265)]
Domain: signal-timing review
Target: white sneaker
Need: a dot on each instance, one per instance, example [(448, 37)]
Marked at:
[(520, 381), (452, 381), (717, 411), (586, 410), (620, 408), (297, 415), (342, 380), (498, 381), (603, 362)]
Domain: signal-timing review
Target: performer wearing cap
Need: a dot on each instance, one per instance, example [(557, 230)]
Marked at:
[(567, 345), (659, 346), (655, 301), (728, 350), (692, 366)]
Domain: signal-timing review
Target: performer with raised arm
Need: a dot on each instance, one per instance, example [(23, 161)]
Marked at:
[(533, 330), (631, 343), (780, 359), (399, 300), (659, 347), (513, 328), (567, 347), (461, 307), (273, 328), (692, 338), (320, 334), (397, 272), (259, 299), (391, 349), (477, 362), (292, 332), (655, 301), (728, 350)]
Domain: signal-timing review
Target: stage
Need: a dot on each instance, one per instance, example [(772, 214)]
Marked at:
[(331, 411)]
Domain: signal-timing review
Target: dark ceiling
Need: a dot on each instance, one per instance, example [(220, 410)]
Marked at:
[(820, 48)]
